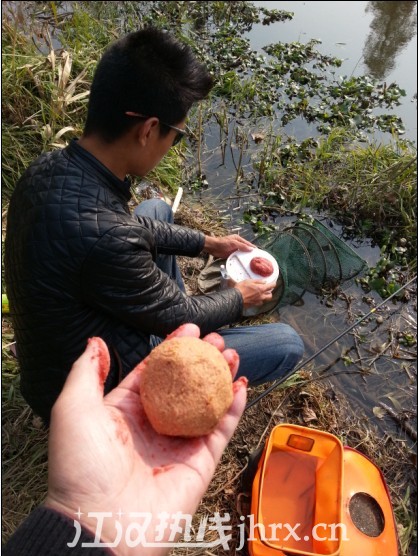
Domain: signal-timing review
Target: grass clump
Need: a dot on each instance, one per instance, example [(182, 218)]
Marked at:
[(370, 187), (45, 89)]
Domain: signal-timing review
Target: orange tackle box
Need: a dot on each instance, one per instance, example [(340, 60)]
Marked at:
[(313, 497)]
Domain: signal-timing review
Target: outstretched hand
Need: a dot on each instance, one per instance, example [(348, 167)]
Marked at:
[(222, 247), (104, 456)]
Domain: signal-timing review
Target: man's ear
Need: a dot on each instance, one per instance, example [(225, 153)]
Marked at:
[(145, 131)]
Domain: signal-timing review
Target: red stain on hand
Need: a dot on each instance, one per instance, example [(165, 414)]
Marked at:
[(121, 428), (161, 469), (242, 380), (101, 353), (232, 358)]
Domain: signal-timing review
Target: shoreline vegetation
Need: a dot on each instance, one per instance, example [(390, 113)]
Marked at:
[(49, 57)]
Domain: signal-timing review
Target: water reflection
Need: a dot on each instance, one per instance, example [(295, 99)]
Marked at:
[(393, 26)]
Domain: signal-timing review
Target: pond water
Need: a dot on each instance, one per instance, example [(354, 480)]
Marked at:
[(379, 38), (375, 38)]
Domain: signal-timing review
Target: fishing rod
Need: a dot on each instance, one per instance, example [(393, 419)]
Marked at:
[(282, 379)]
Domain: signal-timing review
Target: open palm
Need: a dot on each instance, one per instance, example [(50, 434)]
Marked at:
[(104, 456)]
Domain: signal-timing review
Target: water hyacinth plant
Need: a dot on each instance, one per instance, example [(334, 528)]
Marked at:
[(50, 52)]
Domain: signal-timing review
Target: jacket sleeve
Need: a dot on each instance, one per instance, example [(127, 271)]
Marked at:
[(46, 531), (171, 239), (121, 279)]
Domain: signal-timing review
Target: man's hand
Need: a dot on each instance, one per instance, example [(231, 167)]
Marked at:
[(104, 456), (222, 247), (255, 292)]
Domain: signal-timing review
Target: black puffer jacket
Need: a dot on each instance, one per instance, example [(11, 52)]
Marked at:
[(78, 265)]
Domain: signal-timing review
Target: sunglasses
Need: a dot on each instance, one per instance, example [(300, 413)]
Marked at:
[(181, 133)]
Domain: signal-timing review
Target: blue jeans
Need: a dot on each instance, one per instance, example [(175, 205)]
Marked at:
[(159, 210), (266, 351)]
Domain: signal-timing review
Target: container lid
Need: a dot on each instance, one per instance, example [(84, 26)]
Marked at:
[(238, 266)]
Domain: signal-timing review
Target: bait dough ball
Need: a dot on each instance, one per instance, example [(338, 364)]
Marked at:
[(261, 266), (185, 387)]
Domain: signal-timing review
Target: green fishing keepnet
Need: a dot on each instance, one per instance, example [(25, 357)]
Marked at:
[(311, 258)]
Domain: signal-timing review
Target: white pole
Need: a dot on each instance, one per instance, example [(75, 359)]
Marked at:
[(177, 200)]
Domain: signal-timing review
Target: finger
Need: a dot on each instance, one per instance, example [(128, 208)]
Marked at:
[(216, 340), (88, 374), (220, 437), (270, 286), (257, 282), (131, 380), (268, 296), (243, 240), (187, 329), (244, 245), (232, 358)]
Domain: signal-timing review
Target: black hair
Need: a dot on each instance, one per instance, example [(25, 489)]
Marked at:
[(148, 72)]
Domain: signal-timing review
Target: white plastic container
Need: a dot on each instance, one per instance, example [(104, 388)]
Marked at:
[(238, 266), (238, 269)]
